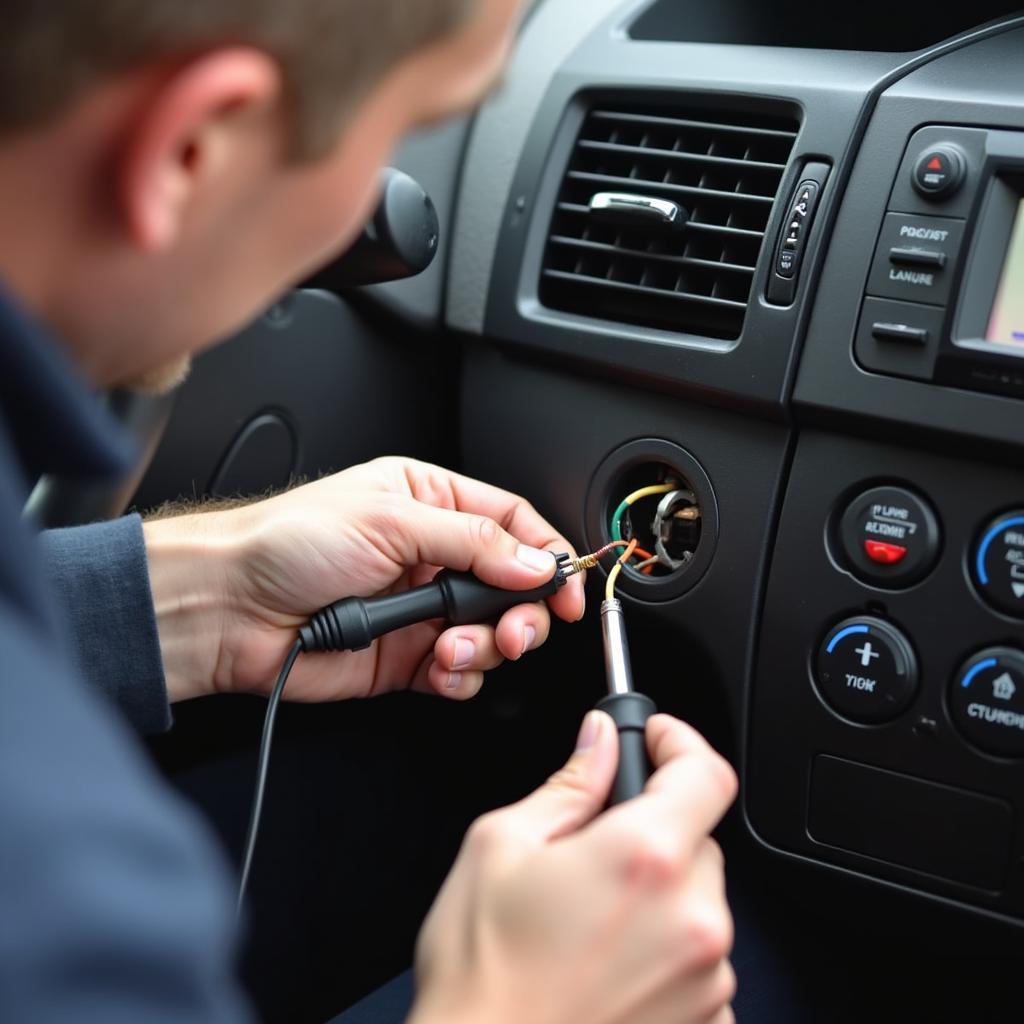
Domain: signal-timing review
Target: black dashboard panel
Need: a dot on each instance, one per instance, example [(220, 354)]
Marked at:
[(902, 794)]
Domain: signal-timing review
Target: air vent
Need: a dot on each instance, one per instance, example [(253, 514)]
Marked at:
[(722, 171)]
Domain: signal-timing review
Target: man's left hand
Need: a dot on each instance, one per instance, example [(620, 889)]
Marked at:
[(231, 588)]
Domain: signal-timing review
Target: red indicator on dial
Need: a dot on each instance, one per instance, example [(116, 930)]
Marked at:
[(884, 554)]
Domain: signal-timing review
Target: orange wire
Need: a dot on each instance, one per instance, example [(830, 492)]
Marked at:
[(637, 551), (631, 550)]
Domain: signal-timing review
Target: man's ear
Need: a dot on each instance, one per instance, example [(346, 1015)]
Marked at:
[(192, 131)]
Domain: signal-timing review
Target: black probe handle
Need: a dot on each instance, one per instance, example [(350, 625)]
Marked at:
[(630, 712), (457, 597), (468, 600)]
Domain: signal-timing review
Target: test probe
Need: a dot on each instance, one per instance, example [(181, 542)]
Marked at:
[(627, 708), (459, 598)]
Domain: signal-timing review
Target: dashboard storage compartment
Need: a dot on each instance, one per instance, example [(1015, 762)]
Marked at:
[(939, 830)]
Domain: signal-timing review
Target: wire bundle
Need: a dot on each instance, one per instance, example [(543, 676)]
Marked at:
[(649, 560)]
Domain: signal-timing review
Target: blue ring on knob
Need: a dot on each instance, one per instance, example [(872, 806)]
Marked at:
[(975, 669), (843, 634), (987, 540)]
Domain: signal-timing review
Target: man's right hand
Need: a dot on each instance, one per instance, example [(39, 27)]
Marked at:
[(555, 913)]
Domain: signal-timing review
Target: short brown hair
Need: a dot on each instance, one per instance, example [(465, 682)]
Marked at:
[(331, 52)]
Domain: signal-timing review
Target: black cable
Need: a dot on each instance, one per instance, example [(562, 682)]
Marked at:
[(263, 764), (354, 623)]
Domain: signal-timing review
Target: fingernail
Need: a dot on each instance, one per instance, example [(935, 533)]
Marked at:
[(589, 732), (529, 637), (583, 609), (535, 559), (452, 683), (464, 651)]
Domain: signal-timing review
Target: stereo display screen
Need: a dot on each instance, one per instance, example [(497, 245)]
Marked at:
[(1006, 324)]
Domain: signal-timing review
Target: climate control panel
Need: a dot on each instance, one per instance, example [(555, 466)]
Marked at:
[(891, 671)]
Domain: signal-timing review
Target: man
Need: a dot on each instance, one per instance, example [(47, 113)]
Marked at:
[(167, 168)]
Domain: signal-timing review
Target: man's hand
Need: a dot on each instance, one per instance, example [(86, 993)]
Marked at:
[(557, 914), (231, 588)]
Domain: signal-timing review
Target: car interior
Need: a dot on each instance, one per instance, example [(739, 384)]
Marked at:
[(767, 260)]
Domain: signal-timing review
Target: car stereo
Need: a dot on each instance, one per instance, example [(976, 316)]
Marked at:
[(944, 300)]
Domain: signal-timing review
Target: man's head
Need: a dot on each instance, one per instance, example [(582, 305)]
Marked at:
[(168, 167)]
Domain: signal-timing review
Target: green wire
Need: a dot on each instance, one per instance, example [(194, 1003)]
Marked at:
[(617, 521), (636, 495)]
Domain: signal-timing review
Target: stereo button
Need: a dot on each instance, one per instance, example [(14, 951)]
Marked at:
[(910, 257), (899, 332), (916, 258), (899, 338)]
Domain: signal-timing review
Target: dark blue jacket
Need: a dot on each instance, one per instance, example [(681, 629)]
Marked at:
[(115, 905)]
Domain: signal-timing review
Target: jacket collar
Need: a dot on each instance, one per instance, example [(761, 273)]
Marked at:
[(57, 425)]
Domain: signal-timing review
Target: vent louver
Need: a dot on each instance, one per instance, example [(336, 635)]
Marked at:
[(724, 170)]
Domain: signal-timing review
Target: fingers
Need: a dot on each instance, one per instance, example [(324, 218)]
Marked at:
[(716, 991), (517, 518), (673, 744), (724, 1016), (576, 793), (658, 832), (522, 520), (455, 685), (436, 486), (668, 738), (481, 648), (463, 654), (416, 533), (522, 629)]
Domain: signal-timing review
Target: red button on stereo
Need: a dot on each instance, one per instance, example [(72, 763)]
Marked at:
[(884, 554)]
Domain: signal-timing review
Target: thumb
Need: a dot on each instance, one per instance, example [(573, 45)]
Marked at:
[(464, 541), (578, 792)]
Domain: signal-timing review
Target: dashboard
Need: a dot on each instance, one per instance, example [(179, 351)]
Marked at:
[(782, 261)]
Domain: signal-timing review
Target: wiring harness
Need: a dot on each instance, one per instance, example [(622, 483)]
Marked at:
[(677, 504)]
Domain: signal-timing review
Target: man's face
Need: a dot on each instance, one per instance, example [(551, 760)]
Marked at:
[(242, 246)]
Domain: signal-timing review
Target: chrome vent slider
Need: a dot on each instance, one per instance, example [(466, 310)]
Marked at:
[(631, 210)]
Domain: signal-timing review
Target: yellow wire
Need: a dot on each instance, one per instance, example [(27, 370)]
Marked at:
[(616, 527), (609, 587), (652, 489)]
